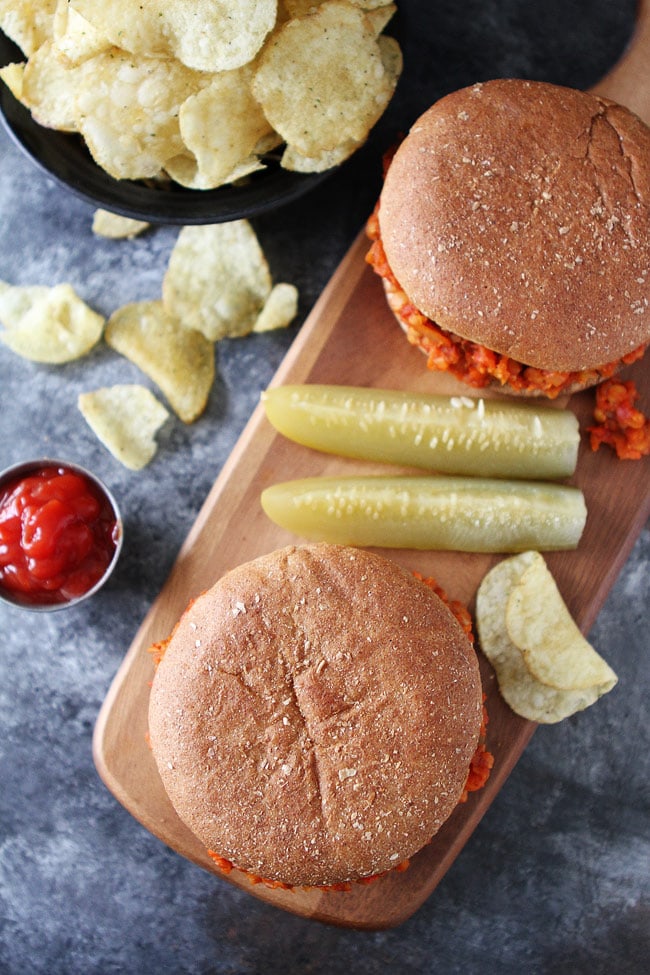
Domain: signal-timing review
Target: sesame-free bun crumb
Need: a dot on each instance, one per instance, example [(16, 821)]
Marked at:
[(314, 715), (516, 214)]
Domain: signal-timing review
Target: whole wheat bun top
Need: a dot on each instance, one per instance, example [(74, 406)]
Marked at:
[(314, 715), (516, 214)]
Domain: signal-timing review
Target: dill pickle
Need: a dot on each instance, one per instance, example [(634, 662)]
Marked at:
[(448, 434), (462, 514)]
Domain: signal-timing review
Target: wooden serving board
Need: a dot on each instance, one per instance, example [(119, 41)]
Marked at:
[(350, 337)]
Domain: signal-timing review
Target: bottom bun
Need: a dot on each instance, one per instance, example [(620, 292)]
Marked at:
[(314, 715)]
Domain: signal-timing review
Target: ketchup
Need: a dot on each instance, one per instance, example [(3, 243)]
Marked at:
[(58, 535)]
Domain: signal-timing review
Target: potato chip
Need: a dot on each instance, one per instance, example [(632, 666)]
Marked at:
[(217, 279), (554, 650), (526, 695), (12, 75), (322, 80), (221, 126), (184, 170), (204, 35), (75, 38), (179, 360), (328, 159), (299, 8), (391, 58), (51, 87), (380, 16), (50, 325), (27, 22), (279, 310), (126, 419), (115, 226), (127, 111)]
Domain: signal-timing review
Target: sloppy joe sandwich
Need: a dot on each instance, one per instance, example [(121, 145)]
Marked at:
[(314, 716), (512, 235)]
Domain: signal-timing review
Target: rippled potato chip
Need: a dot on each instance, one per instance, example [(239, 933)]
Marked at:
[(115, 226), (208, 36), (126, 419), (554, 650), (526, 695), (299, 8), (27, 22), (299, 163), (127, 111), (322, 79), (279, 310), (49, 325), (51, 88), (178, 359), (12, 75), (75, 38), (217, 279), (222, 127)]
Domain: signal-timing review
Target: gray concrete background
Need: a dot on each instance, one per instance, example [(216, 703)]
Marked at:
[(555, 879)]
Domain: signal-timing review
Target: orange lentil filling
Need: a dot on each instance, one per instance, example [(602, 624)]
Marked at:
[(226, 866), (482, 760), (468, 361), (618, 423)]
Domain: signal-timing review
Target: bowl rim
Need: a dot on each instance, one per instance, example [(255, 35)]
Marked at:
[(24, 468)]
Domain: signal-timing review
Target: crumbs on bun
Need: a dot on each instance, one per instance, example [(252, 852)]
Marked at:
[(314, 716), (512, 235)]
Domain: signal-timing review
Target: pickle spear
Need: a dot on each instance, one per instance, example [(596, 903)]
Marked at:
[(464, 514), (448, 434)]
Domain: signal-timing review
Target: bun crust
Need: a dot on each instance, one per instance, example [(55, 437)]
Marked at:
[(516, 214), (314, 715)]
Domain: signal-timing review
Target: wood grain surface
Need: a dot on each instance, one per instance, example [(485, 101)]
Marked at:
[(350, 337)]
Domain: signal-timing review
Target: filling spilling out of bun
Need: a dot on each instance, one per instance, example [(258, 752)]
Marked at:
[(472, 362), (317, 715), (512, 236)]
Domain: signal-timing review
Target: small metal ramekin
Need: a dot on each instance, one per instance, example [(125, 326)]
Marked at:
[(24, 469)]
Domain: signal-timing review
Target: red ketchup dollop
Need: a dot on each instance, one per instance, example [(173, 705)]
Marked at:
[(58, 535)]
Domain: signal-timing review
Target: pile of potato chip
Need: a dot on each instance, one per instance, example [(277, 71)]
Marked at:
[(217, 285), (545, 668), (201, 92)]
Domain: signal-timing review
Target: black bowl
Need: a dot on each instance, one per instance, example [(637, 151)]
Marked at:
[(64, 157)]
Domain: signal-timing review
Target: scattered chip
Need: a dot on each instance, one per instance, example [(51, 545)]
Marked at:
[(280, 309), (525, 694), (50, 325), (217, 279), (322, 80), (27, 22), (208, 37), (115, 226), (179, 360), (126, 419), (554, 650)]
